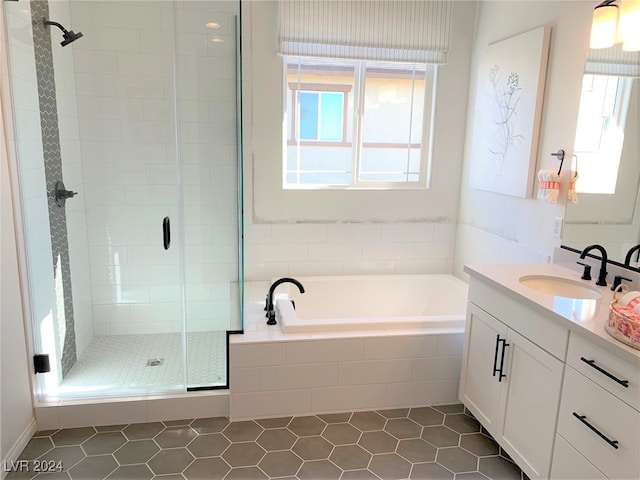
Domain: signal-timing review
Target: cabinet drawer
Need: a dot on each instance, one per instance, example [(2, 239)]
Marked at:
[(602, 417), (605, 369), (568, 464)]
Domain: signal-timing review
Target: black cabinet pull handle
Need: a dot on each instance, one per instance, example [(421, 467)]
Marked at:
[(166, 233), (583, 419), (592, 363), (495, 356), (501, 373)]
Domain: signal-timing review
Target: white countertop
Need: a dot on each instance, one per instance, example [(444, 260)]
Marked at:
[(584, 317)]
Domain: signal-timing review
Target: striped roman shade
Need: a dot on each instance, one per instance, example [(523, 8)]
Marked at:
[(411, 31), (613, 61)]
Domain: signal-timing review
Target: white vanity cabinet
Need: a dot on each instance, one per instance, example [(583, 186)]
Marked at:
[(542, 375), (599, 417), (511, 384)]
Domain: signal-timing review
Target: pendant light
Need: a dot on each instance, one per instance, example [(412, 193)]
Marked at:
[(629, 25), (604, 25)]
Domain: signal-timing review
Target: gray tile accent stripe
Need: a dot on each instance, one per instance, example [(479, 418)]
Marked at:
[(53, 170)]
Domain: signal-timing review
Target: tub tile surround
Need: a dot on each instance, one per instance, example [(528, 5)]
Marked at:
[(307, 249), (443, 442), (273, 374)]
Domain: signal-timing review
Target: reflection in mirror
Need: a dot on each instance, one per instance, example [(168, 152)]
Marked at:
[(606, 155)]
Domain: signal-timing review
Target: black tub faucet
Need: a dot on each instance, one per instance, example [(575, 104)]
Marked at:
[(632, 250), (271, 311), (602, 275)]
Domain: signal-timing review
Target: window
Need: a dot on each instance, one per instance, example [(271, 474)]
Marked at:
[(604, 104), (321, 116), (357, 124)]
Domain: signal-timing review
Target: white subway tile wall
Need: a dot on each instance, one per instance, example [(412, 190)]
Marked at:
[(126, 98), (274, 250), (306, 376)]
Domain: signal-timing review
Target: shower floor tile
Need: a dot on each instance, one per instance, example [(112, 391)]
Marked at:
[(147, 363)]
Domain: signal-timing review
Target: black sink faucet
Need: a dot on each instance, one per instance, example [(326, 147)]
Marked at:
[(602, 276), (632, 250), (271, 311)]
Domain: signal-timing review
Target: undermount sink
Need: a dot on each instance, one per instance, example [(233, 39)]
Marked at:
[(560, 287)]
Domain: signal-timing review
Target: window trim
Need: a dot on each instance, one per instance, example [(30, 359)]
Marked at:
[(428, 129)]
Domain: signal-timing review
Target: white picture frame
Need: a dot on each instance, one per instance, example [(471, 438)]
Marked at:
[(507, 114)]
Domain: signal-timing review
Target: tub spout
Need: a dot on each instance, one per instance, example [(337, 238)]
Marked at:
[(271, 311)]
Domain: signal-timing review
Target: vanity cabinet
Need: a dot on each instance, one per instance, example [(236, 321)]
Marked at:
[(541, 374), (599, 417), (511, 384), (513, 387)]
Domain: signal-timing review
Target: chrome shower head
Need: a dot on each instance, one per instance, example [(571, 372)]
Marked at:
[(68, 35)]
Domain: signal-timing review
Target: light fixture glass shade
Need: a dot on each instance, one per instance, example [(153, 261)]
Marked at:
[(629, 25), (603, 27)]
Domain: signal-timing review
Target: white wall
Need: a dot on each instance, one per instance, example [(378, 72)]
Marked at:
[(296, 232), (497, 228), (17, 422)]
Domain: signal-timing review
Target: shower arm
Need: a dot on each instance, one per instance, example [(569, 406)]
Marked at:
[(49, 22)]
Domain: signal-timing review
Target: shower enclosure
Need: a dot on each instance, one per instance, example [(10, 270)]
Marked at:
[(130, 189)]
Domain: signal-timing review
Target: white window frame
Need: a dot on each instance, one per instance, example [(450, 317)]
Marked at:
[(426, 148)]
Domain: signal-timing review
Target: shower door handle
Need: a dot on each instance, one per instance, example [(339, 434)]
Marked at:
[(166, 233)]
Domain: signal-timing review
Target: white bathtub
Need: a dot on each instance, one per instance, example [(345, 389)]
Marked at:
[(372, 302)]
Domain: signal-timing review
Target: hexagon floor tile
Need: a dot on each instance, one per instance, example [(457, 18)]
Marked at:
[(440, 442)]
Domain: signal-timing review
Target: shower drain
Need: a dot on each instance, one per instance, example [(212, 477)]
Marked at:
[(155, 362)]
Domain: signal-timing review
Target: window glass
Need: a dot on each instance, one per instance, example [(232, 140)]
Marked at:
[(604, 104), (388, 148), (308, 103), (357, 124), (331, 117)]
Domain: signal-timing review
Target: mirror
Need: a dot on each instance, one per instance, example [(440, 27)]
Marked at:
[(606, 156)]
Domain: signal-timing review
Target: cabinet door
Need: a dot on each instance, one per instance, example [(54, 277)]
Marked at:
[(529, 402), (479, 385)]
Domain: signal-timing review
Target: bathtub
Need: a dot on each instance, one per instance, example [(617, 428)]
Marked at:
[(372, 302)]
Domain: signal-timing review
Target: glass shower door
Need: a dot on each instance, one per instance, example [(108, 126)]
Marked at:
[(134, 280), (125, 88), (124, 74), (207, 38), (105, 266)]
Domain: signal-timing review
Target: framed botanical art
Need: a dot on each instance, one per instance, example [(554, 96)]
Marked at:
[(508, 107)]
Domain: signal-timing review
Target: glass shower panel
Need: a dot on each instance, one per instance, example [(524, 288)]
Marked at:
[(134, 279), (208, 149), (124, 82), (105, 271)]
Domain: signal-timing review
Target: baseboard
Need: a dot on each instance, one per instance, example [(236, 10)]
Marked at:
[(17, 448)]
